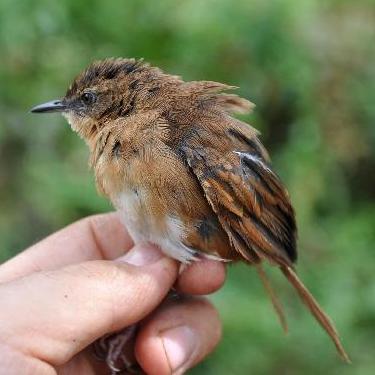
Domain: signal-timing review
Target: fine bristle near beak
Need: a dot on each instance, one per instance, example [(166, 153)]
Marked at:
[(52, 106)]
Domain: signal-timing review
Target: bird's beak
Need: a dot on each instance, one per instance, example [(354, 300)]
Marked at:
[(52, 106)]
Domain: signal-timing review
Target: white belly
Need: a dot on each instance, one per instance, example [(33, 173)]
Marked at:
[(143, 227)]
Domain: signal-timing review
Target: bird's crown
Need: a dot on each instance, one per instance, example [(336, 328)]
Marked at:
[(119, 88)]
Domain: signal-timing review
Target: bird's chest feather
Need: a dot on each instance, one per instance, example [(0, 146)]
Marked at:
[(161, 203), (145, 224)]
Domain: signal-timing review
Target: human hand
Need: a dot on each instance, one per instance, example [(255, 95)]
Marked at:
[(68, 290)]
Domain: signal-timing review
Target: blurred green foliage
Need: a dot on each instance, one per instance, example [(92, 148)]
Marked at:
[(310, 68)]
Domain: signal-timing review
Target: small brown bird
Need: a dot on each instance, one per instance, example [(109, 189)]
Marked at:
[(184, 173)]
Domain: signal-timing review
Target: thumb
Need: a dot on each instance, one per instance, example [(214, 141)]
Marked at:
[(56, 314)]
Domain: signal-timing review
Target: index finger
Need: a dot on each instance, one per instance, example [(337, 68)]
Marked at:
[(95, 237)]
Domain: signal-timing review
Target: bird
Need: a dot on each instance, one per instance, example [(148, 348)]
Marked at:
[(183, 172)]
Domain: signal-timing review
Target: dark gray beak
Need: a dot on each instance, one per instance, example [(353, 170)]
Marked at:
[(52, 106)]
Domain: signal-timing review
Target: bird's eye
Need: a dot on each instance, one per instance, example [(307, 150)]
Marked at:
[(88, 98)]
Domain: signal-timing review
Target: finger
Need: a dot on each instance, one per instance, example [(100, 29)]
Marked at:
[(177, 336), (202, 277), (95, 237), (67, 309)]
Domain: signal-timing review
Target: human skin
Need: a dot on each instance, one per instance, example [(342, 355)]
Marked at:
[(88, 279)]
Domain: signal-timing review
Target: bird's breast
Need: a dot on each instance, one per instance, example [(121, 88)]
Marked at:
[(131, 205), (161, 202), (145, 224)]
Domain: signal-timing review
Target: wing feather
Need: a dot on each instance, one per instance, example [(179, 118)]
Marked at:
[(254, 210), (249, 200)]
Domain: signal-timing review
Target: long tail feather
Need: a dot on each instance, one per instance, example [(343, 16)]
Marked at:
[(275, 301), (316, 310)]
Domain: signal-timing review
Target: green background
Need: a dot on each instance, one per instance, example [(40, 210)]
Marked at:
[(310, 68)]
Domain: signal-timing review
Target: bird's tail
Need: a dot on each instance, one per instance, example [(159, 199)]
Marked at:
[(322, 318), (275, 301)]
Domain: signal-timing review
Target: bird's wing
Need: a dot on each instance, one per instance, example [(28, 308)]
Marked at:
[(248, 197), (253, 208)]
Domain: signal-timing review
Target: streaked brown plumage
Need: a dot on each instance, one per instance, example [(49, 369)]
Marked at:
[(188, 176)]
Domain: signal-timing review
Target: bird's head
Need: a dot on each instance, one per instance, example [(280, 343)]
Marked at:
[(107, 90), (122, 92)]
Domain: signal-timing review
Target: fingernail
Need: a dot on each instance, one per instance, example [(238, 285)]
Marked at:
[(142, 255), (179, 344)]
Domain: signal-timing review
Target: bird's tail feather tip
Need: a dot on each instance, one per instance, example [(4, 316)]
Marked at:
[(321, 317)]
